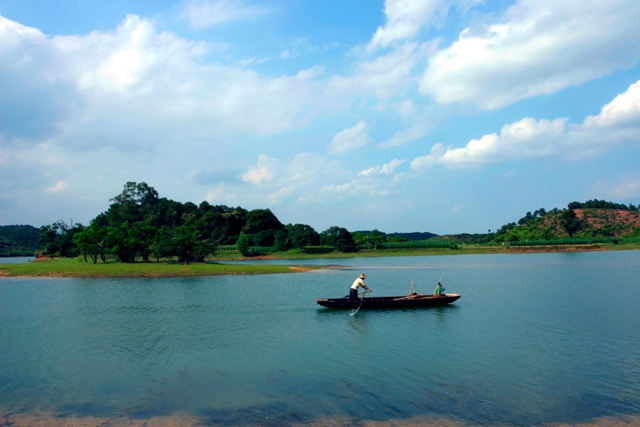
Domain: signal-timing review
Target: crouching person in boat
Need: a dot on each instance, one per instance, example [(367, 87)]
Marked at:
[(439, 291), (353, 292)]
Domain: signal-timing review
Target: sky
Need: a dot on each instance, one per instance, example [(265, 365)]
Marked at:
[(442, 116)]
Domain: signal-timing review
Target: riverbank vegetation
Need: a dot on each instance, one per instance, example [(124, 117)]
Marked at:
[(141, 227)]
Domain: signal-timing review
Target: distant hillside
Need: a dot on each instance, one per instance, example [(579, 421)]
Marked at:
[(18, 240), (592, 219)]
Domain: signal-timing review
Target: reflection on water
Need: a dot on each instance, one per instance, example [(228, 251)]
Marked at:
[(534, 340)]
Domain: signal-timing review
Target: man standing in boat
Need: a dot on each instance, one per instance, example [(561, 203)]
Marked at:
[(353, 292)]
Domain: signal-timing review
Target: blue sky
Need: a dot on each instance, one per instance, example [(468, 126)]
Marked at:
[(402, 115)]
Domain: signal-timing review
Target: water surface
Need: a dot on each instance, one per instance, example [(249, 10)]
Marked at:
[(536, 339)]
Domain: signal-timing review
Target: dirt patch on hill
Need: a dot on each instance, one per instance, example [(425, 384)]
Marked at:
[(615, 222)]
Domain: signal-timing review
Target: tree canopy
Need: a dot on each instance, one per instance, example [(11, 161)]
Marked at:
[(141, 225)]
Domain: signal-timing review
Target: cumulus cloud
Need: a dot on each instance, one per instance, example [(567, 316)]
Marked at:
[(386, 169), (376, 181), (206, 13), (405, 18), (265, 169), (618, 122), (134, 87), (538, 47), (350, 139)]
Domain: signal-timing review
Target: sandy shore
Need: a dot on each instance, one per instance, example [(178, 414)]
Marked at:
[(45, 419)]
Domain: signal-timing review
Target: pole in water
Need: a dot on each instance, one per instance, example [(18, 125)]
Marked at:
[(354, 312)]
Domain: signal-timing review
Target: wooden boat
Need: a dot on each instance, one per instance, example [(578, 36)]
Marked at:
[(405, 301)]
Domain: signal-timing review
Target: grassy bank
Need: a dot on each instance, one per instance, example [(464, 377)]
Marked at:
[(76, 267)]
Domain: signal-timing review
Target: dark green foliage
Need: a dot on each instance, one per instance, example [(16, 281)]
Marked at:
[(91, 241), (189, 245), (18, 240), (261, 219), (373, 238), (301, 235), (243, 245), (570, 221), (601, 204), (340, 238), (264, 238), (140, 224), (57, 239)]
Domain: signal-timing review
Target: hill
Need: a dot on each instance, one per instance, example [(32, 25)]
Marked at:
[(592, 219), (18, 240)]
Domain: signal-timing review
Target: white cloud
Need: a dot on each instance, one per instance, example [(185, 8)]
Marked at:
[(206, 13), (405, 18), (386, 169), (350, 139), (217, 194), (341, 188), (618, 122), (540, 47), (265, 169), (624, 110), (134, 87), (385, 76), (58, 187)]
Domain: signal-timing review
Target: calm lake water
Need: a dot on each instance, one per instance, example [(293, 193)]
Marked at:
[(536, 339)]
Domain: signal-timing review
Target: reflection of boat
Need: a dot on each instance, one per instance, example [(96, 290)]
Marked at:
[(413, 300)]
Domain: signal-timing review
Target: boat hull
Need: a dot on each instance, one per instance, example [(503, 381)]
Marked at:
[(389, 302)]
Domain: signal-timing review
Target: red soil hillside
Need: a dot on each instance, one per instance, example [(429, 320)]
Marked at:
[(616, 222)]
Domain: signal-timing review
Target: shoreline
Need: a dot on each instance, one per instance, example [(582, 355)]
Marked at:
[(35, 417), (76, 267)]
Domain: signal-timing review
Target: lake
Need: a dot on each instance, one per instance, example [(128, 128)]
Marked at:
[(535, 339)]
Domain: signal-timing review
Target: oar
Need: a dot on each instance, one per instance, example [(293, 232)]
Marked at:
[(353, 313)]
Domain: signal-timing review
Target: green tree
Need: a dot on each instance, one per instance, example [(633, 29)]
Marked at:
[(340, 238), (301, 235), (90, 241), (261, 219), (189, 244), (162, 246), (48, 240), (57, 238), (243, 245), (570, 221)]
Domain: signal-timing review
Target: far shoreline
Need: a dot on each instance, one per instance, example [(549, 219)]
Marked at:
[(76, 267)]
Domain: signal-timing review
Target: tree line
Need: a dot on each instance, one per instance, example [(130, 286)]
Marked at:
[(139, 224), (18, 240)]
